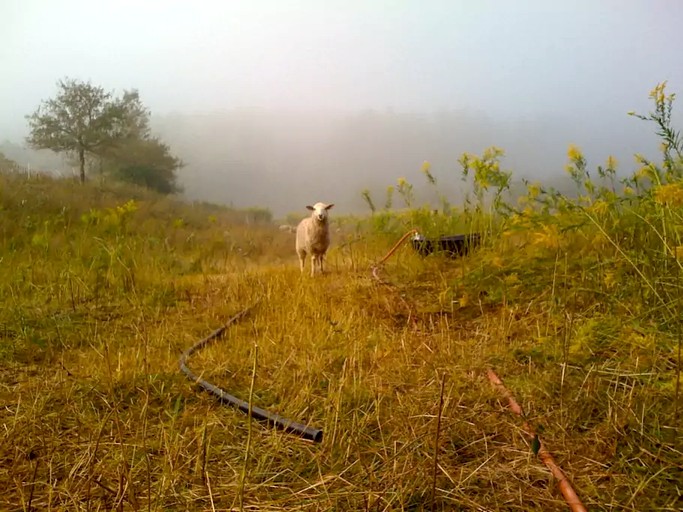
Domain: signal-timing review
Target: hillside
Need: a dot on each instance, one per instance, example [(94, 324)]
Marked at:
[(573, 301)]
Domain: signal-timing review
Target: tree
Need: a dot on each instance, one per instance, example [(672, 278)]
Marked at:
[(146, 162), (6, 164), (84, 120)]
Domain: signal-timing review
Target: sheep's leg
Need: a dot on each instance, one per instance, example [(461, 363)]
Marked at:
[(322, 262), (302, 260), (313, 264)]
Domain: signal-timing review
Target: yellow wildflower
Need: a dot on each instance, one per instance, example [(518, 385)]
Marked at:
[(643, 172), (611, 162), (426, 166), (609, 280), (548, 237), (574, 152), (515, 219), (670, 194), (600, 207), (492, 152), (657, 93), (129, 206), (534, 189)]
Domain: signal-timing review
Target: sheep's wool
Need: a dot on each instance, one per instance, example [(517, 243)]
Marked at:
[(313, 237)]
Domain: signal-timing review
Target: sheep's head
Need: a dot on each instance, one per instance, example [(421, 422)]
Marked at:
[(320, 211)]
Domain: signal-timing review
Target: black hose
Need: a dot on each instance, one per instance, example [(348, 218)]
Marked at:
[(292, 427)]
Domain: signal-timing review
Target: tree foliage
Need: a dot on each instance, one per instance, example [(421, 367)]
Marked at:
[(85, 121), (6, 164), (146, 162)]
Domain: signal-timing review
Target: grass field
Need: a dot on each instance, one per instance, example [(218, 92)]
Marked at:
[(575, 302)]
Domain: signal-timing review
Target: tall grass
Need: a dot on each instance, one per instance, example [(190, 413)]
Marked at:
[(574, 301)]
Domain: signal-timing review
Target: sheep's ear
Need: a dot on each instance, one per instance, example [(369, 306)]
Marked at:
[(310, 208), (329, 206)]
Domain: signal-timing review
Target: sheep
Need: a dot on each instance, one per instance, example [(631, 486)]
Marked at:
[(313, 237), (287, 228)]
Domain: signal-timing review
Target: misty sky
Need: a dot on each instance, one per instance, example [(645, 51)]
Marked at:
[(504, 58), (566, 69)]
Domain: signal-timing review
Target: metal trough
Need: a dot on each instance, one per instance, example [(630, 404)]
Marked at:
[(453, 245)]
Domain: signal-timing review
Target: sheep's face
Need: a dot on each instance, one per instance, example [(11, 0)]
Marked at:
[(320, 211)]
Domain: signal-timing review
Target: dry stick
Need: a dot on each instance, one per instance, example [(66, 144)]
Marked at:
[(91, 462), (33, 485), (436, 440), (246, 451), (203, 451), (565, 486), (208, 486)]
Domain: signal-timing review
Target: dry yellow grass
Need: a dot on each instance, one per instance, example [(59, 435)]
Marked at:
[(96, 415)]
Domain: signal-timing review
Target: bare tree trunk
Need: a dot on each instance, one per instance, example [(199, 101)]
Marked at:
[(81, 159)]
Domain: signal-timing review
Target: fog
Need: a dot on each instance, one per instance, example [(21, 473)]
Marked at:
[(281, 103)]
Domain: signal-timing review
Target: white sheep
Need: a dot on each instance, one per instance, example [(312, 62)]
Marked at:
[(313, 237)]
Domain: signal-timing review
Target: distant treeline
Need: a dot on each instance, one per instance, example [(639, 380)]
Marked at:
[(284, 160)]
